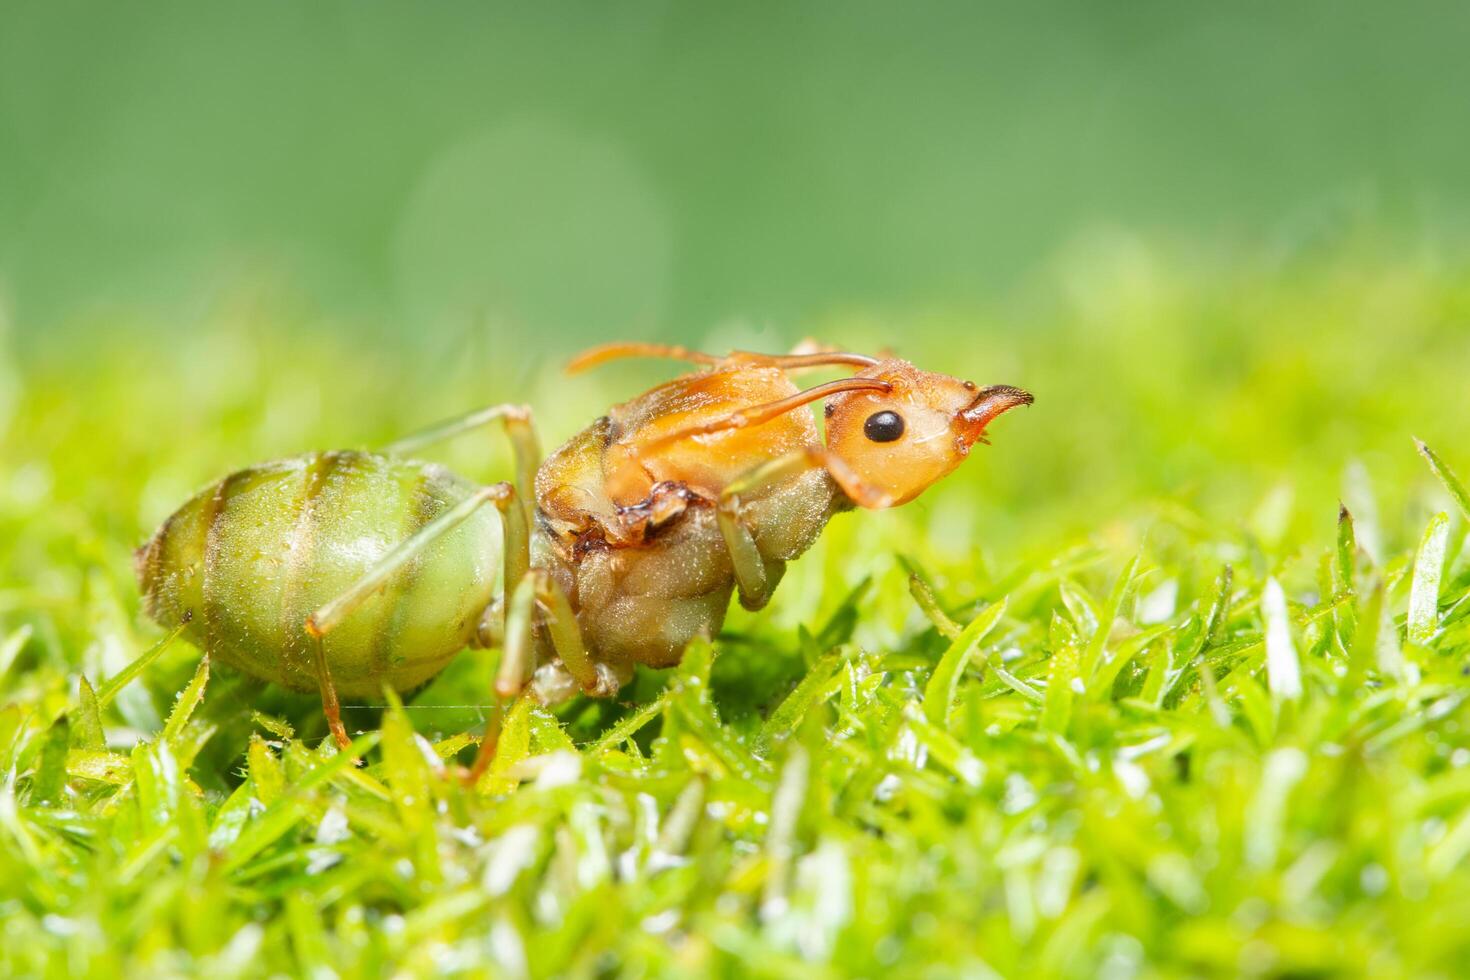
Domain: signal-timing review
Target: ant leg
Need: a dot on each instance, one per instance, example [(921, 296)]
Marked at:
[(519, 426), (858, 490), (537, 590), (516, 611), (517, 652), (566, 637), (328, 617), (745, 556), (517, 655), (750, 567), (331, 707)]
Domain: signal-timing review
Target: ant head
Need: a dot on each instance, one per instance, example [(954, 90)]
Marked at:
[(900, 441)]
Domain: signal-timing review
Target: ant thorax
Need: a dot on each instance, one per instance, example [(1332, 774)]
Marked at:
[(650, 573)]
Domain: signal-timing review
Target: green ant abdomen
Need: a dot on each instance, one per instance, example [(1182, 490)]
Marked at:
[(248, 559)]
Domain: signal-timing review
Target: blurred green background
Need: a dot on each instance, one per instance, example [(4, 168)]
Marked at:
[(655, 169)]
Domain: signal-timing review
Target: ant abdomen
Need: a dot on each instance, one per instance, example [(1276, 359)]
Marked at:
[(247, 560)]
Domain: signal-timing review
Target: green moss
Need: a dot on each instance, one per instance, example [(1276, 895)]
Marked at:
[(1151, 762)]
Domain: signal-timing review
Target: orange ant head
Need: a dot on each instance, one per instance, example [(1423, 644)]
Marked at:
[(896, 443)]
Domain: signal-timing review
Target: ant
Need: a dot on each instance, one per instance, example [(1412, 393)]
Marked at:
[(341, 572)]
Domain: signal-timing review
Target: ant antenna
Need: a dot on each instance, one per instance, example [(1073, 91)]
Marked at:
[(601, 354), (756, 414), (595, 356)]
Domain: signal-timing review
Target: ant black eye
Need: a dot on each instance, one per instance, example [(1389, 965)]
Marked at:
[(883, 426)]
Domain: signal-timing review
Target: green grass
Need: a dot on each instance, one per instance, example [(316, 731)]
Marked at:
[(1127, 696)]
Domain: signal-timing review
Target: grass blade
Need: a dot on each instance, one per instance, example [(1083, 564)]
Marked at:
[(12, 646), (924, 596), (406, 771), (1364, 653), (103, 767), (128, 674), (628, 726), (945, 749), (1019, 686), (787, 803), (940, 691), (1358, 495), (291, 808), (265, 771), (1283, 667), (86, 720), (1219, 610), (1347, 549), (188, 700), (1056, 712), (815, 688), (1107, 672), (1447, 477), (1093, 654), (1424, 590)]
